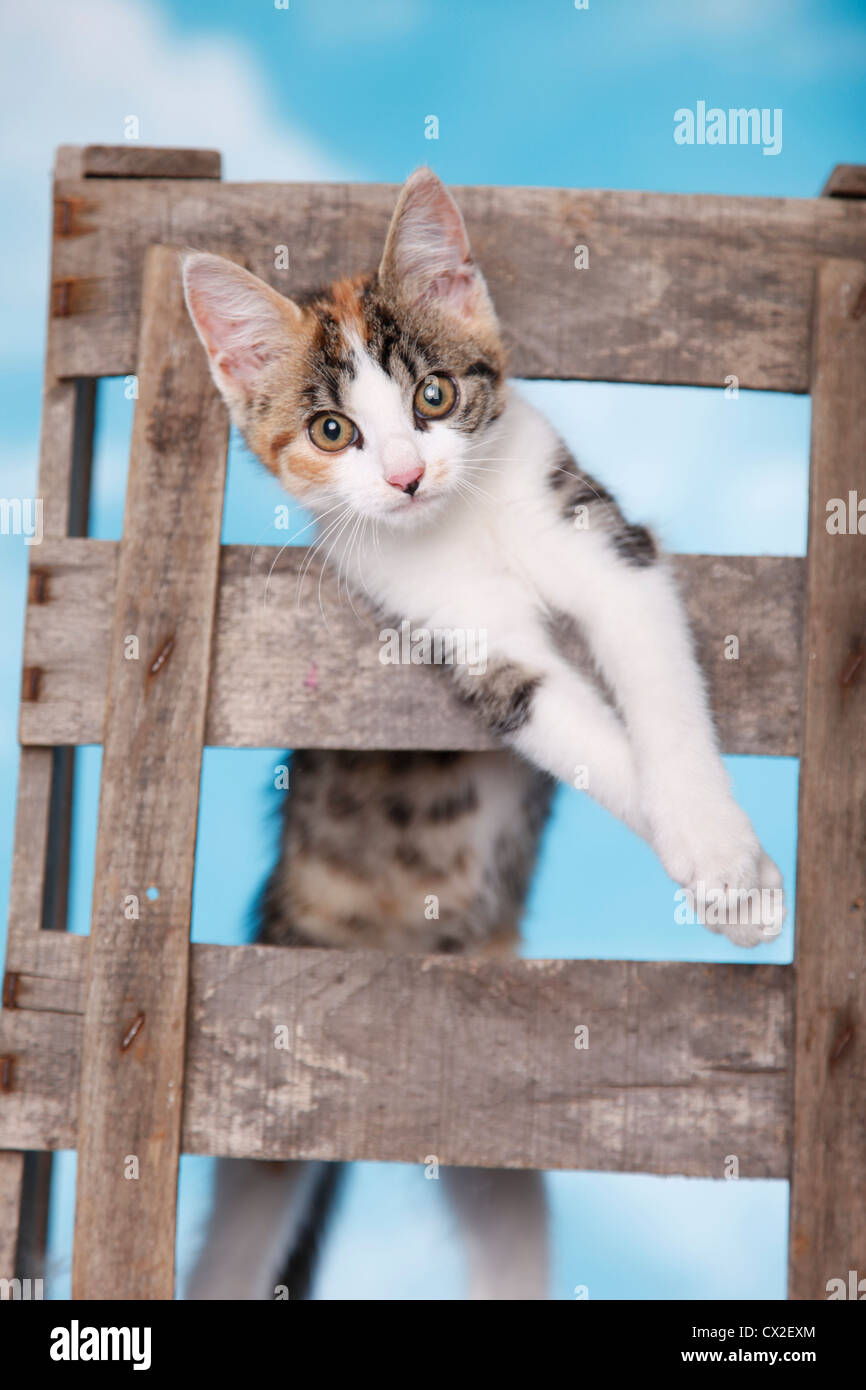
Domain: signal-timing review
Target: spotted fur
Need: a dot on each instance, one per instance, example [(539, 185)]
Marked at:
[(405, 851), (574, 488)]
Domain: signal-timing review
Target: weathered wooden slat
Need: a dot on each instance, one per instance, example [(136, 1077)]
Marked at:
[(828, 1198), (46, 971), (679, 289), (149, 162), (282, 676), (11, 1177), (40, 1067), (38, 889), (40, 865), (69, 162), (133, 1038), (27, 887), (846, 181), (393, 1058)]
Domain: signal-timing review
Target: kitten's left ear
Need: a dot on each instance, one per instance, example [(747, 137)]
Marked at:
[(427, 257)]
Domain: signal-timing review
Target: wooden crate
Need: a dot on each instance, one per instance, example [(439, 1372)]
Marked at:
[(131, 1042)]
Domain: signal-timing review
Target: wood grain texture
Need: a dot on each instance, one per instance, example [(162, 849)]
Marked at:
[(40, 1064), (65, 450), (40, 868), (149, 162), (27, 886), (392, 1058), (679, 289), (11, 1176), (828, 1198), (846, 181), (65, 454), (133, 1038), (69, 162), (282, 676)]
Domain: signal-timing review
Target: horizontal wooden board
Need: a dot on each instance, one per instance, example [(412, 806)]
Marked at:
[(149, 162), (281, 675), (679, 288), (397, 1057), (846, 181)]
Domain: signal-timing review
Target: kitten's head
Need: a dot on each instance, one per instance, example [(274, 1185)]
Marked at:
[(374, 393)]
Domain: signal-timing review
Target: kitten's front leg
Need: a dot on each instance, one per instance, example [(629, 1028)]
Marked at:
[(556, 718), (632, 616)]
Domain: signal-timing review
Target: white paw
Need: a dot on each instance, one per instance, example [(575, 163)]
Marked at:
[(730, 885)]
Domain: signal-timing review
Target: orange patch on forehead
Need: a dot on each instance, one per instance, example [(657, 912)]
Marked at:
[(346, 296)]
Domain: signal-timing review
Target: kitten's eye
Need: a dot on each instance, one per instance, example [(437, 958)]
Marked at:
[(435, 397), (332, 432)]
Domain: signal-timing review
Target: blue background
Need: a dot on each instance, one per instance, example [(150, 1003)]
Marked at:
[(525, 94)]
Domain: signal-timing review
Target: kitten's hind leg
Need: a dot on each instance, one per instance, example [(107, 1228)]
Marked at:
[(259, 1213), (503, 1220)]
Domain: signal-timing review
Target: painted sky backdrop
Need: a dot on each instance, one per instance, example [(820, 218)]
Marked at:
[(524, 93)]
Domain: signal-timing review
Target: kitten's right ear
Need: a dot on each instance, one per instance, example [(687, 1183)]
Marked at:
[(243, 324)]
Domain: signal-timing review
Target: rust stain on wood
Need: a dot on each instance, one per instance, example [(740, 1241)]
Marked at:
[(31, 679), (132, 1032), (161, 657), (10, 989), (70, 294), (859, 308), (852, 667), (844, 1036), (7, 1069), (67, 217), (37, 586)]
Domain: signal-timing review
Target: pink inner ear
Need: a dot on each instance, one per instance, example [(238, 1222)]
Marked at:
[(241, 327), (458, 290), (430, 257), (243, 357)]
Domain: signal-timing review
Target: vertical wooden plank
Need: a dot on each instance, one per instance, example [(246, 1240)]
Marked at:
[(40, 864), (40, 867), (135, 1014), (39, 889), (828, 1196), (11, 1174)]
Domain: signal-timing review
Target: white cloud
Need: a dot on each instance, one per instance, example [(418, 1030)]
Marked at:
[(70, 74)]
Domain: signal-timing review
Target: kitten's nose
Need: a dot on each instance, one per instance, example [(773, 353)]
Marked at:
[(407, 481), (403, 468)]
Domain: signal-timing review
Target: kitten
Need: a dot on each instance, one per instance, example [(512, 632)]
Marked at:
[(383, 404)]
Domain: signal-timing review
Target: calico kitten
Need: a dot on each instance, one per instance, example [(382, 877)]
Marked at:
[(383, 404)]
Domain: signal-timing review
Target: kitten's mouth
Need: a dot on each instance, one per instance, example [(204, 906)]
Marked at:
[(407, 502), (408, 509)]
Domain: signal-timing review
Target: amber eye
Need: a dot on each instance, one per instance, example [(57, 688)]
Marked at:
[(331, 432), (435, 397)]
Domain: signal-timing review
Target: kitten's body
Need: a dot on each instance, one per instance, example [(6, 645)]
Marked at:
[(405, 852), (449, 502)]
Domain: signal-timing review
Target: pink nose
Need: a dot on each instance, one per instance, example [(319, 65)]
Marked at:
[(406, 479)]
